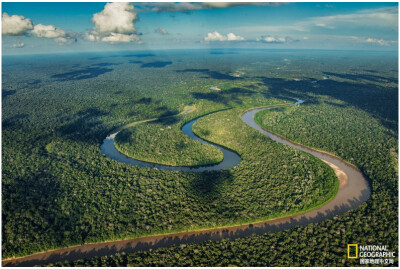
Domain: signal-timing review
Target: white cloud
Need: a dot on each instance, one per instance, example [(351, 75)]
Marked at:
[(18, 45), (237, 4), (173, 7), (221, 4), (273, 39), (18, 25), (345, 39), (115, 18), (187, 7), (372, 18), (270, 29), (117, 38), (63, 40), (92, 36), (114, 24), (381, 18), (233, 37), (161, 31), (323, 25), (48, 31), (218, 37), (277, 39), (15, 24), (377, 41)]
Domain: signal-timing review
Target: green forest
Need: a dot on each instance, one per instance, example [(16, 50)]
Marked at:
[(375, 222), (58, 190), (163, 142)]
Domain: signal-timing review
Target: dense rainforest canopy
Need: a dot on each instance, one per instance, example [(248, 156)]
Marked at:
[(59, 190)]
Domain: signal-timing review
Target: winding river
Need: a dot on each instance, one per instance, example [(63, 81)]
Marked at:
[(231, 158), (354, 190)]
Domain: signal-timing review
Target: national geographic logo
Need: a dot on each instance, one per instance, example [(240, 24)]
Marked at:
[(371, 254), (352, 251)]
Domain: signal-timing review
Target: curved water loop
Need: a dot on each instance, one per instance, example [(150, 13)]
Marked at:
[(231, 158)]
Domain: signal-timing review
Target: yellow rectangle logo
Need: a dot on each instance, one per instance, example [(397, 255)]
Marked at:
[(349, 246)]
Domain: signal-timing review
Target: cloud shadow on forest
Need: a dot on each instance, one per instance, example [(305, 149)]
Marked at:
[(13, 122), (371, 71), (371, 98), (88, 72), (85, 126), (34, 82), (145, 100), (224, 96), (139, 55), (205, 184), (222, 52), (5, 93), (105, 64), (358, 77), (210, 74), (25, 85), (156, 64), (167, 117)]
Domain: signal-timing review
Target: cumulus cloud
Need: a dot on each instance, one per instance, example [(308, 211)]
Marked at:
[(48, 31), (65, 40), (117, 38), (92, 36), (15, 24), (272, 39), (161, 31), (60, 36), (115, 23), (18, 25), (115, 18), (218, 37)]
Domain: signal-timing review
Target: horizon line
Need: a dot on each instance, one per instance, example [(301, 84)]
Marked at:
[(171, 49)]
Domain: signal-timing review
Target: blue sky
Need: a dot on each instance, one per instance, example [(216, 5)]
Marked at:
[(66, 27)]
